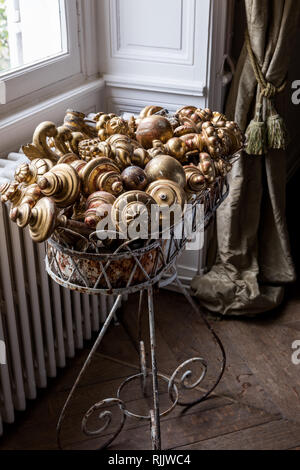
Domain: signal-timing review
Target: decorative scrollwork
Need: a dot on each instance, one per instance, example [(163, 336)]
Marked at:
[(184, 380), (104, 415), (173, 398)]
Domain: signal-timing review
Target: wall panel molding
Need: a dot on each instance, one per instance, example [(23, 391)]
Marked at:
[(120, 105), (137, 82), (131, 39)]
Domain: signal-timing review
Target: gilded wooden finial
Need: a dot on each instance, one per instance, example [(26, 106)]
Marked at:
[(195, 180), (129, 206), (98, 205), (101, 174), (29, 172), (167, 193), (62, 183)]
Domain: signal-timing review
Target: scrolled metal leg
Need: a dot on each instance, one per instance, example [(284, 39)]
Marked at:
[(155, 416), (188, 373), (106, 417), (84, 368), (143, 365)]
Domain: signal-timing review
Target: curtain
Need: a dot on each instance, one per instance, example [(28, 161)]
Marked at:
[(253, 261)]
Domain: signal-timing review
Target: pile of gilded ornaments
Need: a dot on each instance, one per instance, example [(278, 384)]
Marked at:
[(88, 164)]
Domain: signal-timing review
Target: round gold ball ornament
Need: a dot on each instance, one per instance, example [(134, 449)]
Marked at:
[(134, 177), (154, 128), (165, 167)]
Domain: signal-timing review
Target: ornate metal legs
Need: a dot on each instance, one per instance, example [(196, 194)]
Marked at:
[(181, 378)]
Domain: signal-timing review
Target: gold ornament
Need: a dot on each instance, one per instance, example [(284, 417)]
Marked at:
[(126, 152), (146, 112), (134, 177), (222, 167), (207, 167), (153, 128), (110, 124), (10, 192), (149, 111), (41, 220), (77, 137), (184, 130), (21, 211), (195, 180), (101, 174), (20, 194), (98, 205), (193, 142), (207, 140), (232, 138), (165, 167), (175, 147), (62, 183), (218, 119), (77, 122), (44, 218), (68, 158), (29, 172), (192, 118), (93, 148), (40, 147), (61, 141), (167, 193), (130, 206), (212, 142)]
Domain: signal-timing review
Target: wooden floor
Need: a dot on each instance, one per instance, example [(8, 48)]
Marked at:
[(256, 406)]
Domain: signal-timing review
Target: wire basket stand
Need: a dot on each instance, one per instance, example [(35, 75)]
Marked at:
[(133, 269)]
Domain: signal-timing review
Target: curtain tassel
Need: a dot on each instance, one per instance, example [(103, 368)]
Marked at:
[(277, 133), (256, 135)]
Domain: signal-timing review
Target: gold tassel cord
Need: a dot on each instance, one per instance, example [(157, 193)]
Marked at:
[(262, 135)]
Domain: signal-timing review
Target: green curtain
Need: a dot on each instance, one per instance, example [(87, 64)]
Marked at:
[(253, 256)]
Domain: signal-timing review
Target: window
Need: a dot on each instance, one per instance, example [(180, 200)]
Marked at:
[(38, 45), (32, 31)]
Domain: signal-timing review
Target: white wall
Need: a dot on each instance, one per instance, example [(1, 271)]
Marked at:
[(154, 52), (165, 52)]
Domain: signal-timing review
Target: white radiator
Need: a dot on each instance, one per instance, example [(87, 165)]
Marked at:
[(41, 323)]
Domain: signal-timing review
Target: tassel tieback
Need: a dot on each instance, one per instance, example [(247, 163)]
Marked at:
[(270, 133)]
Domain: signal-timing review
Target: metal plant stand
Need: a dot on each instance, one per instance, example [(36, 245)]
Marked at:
[(127, 270)]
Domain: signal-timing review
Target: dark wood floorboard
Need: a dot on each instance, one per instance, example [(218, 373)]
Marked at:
[(256, 406)]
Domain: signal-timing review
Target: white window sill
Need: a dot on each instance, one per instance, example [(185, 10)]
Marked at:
[(17, 128)]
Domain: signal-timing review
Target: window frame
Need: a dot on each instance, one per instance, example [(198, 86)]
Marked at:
[(28, 79)]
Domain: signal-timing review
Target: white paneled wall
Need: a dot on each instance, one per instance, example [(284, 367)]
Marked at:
[(165, 52), (154, 51)]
